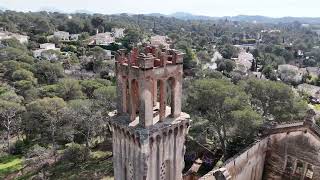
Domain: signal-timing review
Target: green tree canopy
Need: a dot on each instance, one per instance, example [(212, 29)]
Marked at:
[(218, 101), (48, 73), (275, 100)]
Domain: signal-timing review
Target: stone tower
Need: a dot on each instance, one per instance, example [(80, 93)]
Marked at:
[(149, 128)]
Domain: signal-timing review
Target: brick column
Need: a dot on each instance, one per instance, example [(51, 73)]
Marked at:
[(134, 98), (176, 96), (146, 102)]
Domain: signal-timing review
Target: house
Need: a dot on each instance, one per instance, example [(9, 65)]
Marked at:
[(102, 39), (313, 71), (290, 74), (311, 90), (160, 40), (4, 35), (258, 75), (285, 151), (118, 32), (74, 37), (61, 35), (44, 47), (108, 54), (37, 53), (8, 35), (246, 46), (21, 38), (47, 46)]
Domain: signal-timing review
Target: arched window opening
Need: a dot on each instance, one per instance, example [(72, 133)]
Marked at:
[(170, 93), (127, 96), (299, 169), (289, 165), (134, 99), (162, 99), (309, 172), (156, 96), (156, 92)]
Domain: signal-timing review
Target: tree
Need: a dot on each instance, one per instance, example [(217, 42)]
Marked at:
[(274, 100), (10, 120), (14, 43), (226, 65), (131, 38), (86, 119), (75, 26), (310, 62), (256, 53), (89, 86), (189, 59), (97, 22), (23, 74), (70, 89), (44, 118), (9, 67), (75, 154), (48, 73), (268, 59), (228, 99), (269, 73), (106, 97), (43, 26), (247, 123), (10, 53), (228, 51), (203, 56), (98, 55)]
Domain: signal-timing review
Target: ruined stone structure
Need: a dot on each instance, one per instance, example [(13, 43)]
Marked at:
[(149, 128), (286, 152)]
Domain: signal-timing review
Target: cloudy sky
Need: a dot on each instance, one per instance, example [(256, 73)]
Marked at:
[(273, 8)]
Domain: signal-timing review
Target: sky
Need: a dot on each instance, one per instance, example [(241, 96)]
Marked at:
[(217, 8)]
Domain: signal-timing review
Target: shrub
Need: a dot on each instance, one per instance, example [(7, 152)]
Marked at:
[(20, 147), (75, 153)]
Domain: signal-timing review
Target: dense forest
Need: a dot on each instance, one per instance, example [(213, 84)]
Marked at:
[(54, 125)]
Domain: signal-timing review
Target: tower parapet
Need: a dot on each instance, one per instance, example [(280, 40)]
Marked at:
[(146, 81), (149, 129)]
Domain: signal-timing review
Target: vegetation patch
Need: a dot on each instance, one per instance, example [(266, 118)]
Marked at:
[(9, 164)]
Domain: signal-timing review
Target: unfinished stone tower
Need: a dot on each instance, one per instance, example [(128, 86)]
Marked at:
[(149, 128)]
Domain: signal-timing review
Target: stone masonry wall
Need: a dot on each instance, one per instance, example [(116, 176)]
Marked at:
[(300, 146), (157, 156), (247, 166), (250, 164)]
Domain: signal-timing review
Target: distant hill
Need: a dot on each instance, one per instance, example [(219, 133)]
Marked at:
[(264, 19), (189, 16), (50, 9), (83, 11), (244, 18)]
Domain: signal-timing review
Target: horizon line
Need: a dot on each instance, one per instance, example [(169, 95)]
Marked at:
[(53, 10)]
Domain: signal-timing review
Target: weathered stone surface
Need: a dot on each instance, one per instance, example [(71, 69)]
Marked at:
[(299, 145)]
